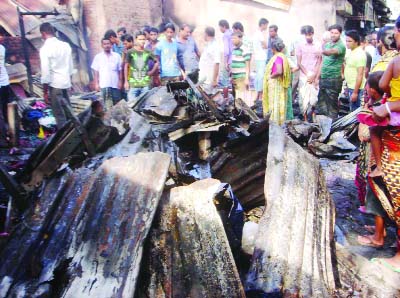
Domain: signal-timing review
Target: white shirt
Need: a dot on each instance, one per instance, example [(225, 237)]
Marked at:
[(56, 63), (4, 81), (108, 67), (260, 54), (210, 56)]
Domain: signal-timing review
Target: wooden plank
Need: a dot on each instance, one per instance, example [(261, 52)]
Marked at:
[(189, 253), (294, 246)]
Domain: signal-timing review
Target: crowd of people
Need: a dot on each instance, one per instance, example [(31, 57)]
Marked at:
[(310, 72)]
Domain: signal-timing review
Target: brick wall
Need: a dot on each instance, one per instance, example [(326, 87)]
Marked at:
[(14, 53), (101, 15)]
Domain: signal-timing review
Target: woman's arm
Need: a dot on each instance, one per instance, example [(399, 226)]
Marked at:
[(384, 82)]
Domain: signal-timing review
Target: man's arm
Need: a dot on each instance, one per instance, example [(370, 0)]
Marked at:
[(227, 52), (179, 56), (126, 73), (96, 80), (359, 79), (299, 64), (246, 81), (317, 70), (196, 50), (330, 52), (215, 75)]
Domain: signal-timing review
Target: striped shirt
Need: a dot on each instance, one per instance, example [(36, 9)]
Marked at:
[(239, 57)]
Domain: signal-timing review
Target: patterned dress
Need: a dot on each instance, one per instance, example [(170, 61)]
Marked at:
[(275, 93)]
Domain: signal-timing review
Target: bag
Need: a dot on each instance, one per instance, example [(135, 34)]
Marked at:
[(309, 95)]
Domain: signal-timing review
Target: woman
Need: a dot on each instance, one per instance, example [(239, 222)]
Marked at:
[(277, 80), (390, 199), (387, 49)]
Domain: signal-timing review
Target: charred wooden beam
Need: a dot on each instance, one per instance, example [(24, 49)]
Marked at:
[(188, 253), (294, 246)]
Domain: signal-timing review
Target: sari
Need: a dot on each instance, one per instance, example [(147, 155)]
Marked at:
[(388, 190), (275, 91), (363, 161)]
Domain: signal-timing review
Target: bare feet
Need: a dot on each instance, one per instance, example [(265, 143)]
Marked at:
[(369, 240), (377, 172)]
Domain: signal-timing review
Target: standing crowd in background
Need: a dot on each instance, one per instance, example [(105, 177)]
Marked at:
[(307, 73)]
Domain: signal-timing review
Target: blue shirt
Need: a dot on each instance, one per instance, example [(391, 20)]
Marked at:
[(118, 48), (168, 53), (187, 55)]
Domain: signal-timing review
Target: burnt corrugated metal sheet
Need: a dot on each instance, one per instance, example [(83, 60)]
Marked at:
[(9, 15), (87, 232), (9, 19)]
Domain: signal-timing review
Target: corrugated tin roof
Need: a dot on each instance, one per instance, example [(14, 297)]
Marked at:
[(63, 22), (9, 15)]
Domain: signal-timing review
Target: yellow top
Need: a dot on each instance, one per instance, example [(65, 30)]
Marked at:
[(395, 89)]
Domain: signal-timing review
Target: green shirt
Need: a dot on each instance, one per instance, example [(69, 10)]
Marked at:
[(139, 65), (356, 58), (332, 65), (239, 57)]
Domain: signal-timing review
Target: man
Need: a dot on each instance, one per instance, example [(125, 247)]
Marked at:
[(146, 30), (330, 83), (240, 66), (137, 71), (260, 55), (167, 56), (292, 58), (273, 35), (107, 67), (120, 32), (209, 62), (151, 46), (238, 27), (188, 53), (57, 68), (354, 70), (309, 58), (117, 45), (153, 39), (227, 55), (4, 92), (127, 41), (371, 48)]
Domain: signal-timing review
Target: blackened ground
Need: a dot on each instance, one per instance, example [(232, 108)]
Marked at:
[(349, 221)]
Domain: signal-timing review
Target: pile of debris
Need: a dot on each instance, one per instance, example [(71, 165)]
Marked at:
[(159, 211)]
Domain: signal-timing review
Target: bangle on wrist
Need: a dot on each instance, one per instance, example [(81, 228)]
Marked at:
[(387, 108)]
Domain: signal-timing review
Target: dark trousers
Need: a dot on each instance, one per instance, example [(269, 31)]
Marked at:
[(4, 100), (328, 97), (60, 105)]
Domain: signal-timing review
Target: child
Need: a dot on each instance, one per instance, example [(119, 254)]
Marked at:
[(376, 128), (240, 66)]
